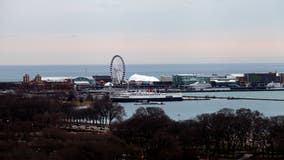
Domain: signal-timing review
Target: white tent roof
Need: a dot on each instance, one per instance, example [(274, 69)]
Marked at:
[(143, 78), (108, 84), (55, 79), (235, 75)]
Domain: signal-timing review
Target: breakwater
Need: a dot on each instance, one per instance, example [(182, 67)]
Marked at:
[(229, 98)]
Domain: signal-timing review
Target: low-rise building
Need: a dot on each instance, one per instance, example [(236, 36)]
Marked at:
[(281, 77), (259, 80), (26, 79), (83, 82), (184, 80), (101, 80), (47, 83), (225, 82), (166, 78)]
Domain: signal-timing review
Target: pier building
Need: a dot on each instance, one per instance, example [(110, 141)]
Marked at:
[(258, 80), (166, 78), (101, 80), (281, 77), (26, 79), (184, 80), (47, 83), (81, 83), (225, 82)]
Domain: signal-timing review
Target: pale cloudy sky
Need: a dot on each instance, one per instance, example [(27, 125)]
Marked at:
[(142, 31)]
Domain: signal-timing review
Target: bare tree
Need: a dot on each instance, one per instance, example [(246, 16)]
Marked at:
[(108, 111)]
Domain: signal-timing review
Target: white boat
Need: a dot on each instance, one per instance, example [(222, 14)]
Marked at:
[(273, 85), (144, 96)]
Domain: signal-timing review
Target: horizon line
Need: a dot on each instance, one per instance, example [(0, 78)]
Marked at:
[(140, 64)]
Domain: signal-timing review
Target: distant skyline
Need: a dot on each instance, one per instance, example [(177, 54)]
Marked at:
[(35, 32)]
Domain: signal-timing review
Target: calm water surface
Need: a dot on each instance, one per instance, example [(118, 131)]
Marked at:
[(183, 110)]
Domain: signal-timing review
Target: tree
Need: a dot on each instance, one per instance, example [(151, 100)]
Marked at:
[(148, 129), (277, 134), (115, 111), (108, 111), (71, 96)]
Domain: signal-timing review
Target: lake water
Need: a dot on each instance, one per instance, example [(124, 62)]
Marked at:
[(183, 110), (15, 73)]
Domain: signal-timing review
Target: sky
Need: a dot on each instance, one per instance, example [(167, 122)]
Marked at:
[(36, 32)]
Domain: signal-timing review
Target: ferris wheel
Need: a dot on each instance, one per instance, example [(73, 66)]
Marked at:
[(117, 70)]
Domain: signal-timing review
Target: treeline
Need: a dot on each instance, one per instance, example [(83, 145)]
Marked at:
[(33, 128), (102, 111), (42, 112), (34, 112), (226, 134)]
